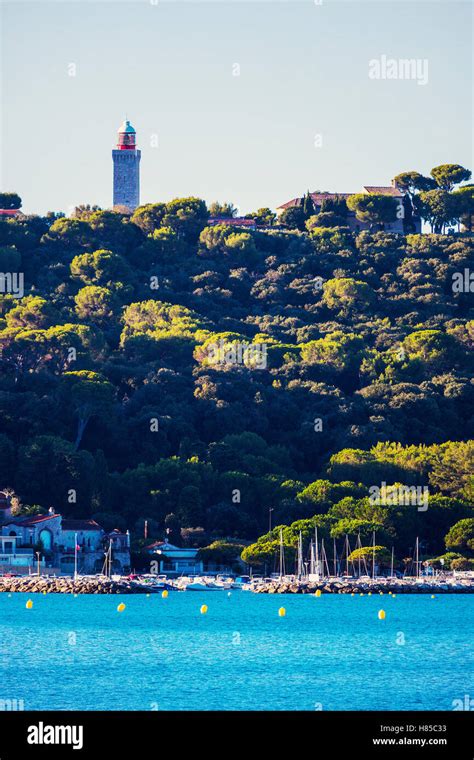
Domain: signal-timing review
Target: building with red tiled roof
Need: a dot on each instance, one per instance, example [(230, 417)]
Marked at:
[(80, 525), (60, 540), (157, 544), (232, 221), (383, 190), (32, 520), (352, 222), (9, 212)]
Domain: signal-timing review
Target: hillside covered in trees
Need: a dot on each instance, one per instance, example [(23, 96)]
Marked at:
[(196, 376)]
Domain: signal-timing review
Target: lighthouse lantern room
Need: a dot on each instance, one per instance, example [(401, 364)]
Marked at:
[(126, 137)]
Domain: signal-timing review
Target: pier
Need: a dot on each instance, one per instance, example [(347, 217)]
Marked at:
[(359, 586), (34, 584)]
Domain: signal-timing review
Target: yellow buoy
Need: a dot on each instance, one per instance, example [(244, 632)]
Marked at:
[(29, 604), (433, 596), (203, 609), (352, 594), (164, 594), (317, 592), (381, 615), (370, 593), (282, 612), (121, 607), (394, 595), (381, 593), (361, 594)]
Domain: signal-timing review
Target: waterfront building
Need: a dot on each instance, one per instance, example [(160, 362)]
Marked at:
[(178, 560), (175, 560), (60, 541), (18, 560)]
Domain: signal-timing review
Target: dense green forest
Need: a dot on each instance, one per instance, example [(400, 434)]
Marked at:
[(194, 376)]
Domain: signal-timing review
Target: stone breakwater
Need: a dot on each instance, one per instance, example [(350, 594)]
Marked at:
[(461, 586), (66, 585)]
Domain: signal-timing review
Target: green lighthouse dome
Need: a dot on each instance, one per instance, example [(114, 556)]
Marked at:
[(126, 127)]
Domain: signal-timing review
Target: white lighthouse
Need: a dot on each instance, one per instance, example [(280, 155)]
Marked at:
[(126, 160)]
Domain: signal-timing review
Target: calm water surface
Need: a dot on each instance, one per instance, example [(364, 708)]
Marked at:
[(328, 653)]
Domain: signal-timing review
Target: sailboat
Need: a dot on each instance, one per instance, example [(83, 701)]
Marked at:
[(314, 565), (282, 556)]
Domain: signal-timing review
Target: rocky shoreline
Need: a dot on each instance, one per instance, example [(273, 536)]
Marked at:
[(32, 584), (461, 586)]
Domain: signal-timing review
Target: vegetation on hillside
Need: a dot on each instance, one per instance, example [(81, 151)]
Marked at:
[(156, 366)]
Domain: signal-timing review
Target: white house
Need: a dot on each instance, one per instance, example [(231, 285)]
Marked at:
[(175, 560), (17, 560)]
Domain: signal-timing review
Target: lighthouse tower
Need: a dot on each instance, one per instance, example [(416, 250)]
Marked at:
[(126, 160)]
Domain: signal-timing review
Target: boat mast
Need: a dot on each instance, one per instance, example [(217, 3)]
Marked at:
[(107, 566), (324, 558), (300, 557), (75, 556), (391, 565), (373, 558), (282, 555), (417, 564), (104, 566), (317, 557)]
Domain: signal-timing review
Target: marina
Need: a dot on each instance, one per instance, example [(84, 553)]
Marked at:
[(149, 584)]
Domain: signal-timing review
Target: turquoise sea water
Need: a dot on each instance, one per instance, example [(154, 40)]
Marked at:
[(328, 653)]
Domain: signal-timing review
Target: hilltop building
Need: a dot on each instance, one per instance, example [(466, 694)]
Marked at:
[(126, 158), (232, 221), (56, 538), (405, 215)]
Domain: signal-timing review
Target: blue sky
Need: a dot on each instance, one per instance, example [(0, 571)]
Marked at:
[(249, 138)]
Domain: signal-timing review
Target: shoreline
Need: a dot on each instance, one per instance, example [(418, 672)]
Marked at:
[(33, 584), (379, 586), (103, 585)]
